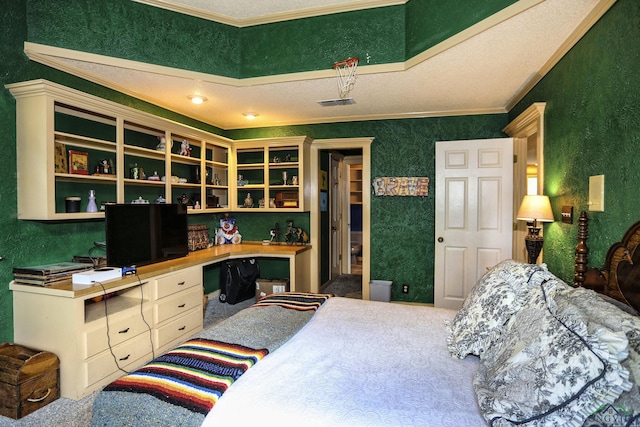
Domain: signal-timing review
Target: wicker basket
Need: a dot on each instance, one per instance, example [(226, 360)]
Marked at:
[(198, 237)]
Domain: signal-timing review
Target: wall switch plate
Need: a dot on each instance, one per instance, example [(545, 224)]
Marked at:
[(567, 214), (596, 193)]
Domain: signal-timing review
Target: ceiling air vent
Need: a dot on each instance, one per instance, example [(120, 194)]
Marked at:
[(334, 102)]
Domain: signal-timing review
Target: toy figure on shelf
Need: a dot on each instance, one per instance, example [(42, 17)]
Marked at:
[(162, 145), (185, 149), (275, 233), (295, 235), (228, 231)]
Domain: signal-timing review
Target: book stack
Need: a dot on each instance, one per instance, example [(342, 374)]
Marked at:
[(48, 274)]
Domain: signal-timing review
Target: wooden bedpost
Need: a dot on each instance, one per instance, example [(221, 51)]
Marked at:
[(582, 250)]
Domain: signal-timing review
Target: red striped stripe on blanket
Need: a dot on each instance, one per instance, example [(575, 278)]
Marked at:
[(295, 300), (194, 375)]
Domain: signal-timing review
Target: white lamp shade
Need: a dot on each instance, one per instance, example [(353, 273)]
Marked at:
[(535, 208)]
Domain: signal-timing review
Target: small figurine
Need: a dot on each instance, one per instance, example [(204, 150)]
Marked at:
[(295, 235), (162, 145), (228, 231), (248, 201), (185, 149), (275, 233)]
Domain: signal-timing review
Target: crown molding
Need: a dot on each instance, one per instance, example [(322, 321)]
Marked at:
[(373, 117)]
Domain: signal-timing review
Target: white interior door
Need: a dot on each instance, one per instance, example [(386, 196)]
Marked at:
[(336, 213), (474, 214)]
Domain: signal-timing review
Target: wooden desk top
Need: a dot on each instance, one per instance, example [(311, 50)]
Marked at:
[(202, 258)]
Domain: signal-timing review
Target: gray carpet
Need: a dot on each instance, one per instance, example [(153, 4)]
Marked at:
[(72, 413), (346, 285)]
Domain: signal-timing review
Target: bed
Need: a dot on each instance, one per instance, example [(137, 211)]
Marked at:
[(525, 349)]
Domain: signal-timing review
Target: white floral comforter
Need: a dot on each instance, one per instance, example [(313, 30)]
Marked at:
[(358, 363), (550, 354)]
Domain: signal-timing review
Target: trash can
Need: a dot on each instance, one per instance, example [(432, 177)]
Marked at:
[(380, 290)]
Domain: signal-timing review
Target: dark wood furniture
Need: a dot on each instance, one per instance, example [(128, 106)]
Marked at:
[(29, 380), (619, 278)]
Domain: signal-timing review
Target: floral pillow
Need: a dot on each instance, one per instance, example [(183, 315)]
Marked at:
[(495, 297), (547, 369)]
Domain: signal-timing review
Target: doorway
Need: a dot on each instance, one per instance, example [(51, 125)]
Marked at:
[(528, 131), (340, 145), (353, 187)]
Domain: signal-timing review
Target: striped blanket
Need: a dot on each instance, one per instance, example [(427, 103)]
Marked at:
[(294, 300), (193, 376)]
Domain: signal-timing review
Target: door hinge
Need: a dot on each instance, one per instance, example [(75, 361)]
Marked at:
[(515, 158)]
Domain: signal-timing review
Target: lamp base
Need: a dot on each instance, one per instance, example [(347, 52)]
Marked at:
[(533, 242)]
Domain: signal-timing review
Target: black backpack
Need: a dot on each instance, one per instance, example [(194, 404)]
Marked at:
[(238, 280)]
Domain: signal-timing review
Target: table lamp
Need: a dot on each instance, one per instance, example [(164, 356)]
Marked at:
[(533, 209)]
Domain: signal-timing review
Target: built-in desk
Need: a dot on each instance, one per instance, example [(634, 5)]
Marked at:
[(98, 338)]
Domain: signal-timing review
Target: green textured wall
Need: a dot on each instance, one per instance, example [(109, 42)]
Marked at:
[(592, 127), (316, 43), (130, 30)]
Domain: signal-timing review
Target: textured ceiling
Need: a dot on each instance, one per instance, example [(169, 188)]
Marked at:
[(485, 72), (252, 12)]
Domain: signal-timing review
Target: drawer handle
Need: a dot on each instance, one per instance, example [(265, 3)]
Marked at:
[(125, 358), (181, 305), (182, 329), (181, 283), (124, 331), (40, 399)]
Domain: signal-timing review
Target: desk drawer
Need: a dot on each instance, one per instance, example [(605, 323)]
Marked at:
[(178, 304), (173, 283), (120, 330), (178, 330), (129, 355)]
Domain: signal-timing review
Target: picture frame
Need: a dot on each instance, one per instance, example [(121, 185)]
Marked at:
[(324, 180), (61, 165), (78, 162)]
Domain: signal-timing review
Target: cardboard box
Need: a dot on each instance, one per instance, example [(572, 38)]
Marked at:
[(266, 287)]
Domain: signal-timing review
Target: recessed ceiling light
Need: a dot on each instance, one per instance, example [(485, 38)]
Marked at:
[(197, 99), (250, 116)]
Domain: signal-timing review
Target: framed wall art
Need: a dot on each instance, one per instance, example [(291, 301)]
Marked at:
[(78, 162), (401, 186), (60, 159), (324, 181)]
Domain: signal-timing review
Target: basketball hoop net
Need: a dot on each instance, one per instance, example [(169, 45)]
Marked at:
[(346, 74)]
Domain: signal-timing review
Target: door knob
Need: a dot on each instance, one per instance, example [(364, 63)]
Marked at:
[(440, 240)]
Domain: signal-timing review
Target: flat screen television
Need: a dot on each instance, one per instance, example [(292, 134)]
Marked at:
[(139, 234)]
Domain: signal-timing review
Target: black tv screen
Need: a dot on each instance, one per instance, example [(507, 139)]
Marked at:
[(139, 234)]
